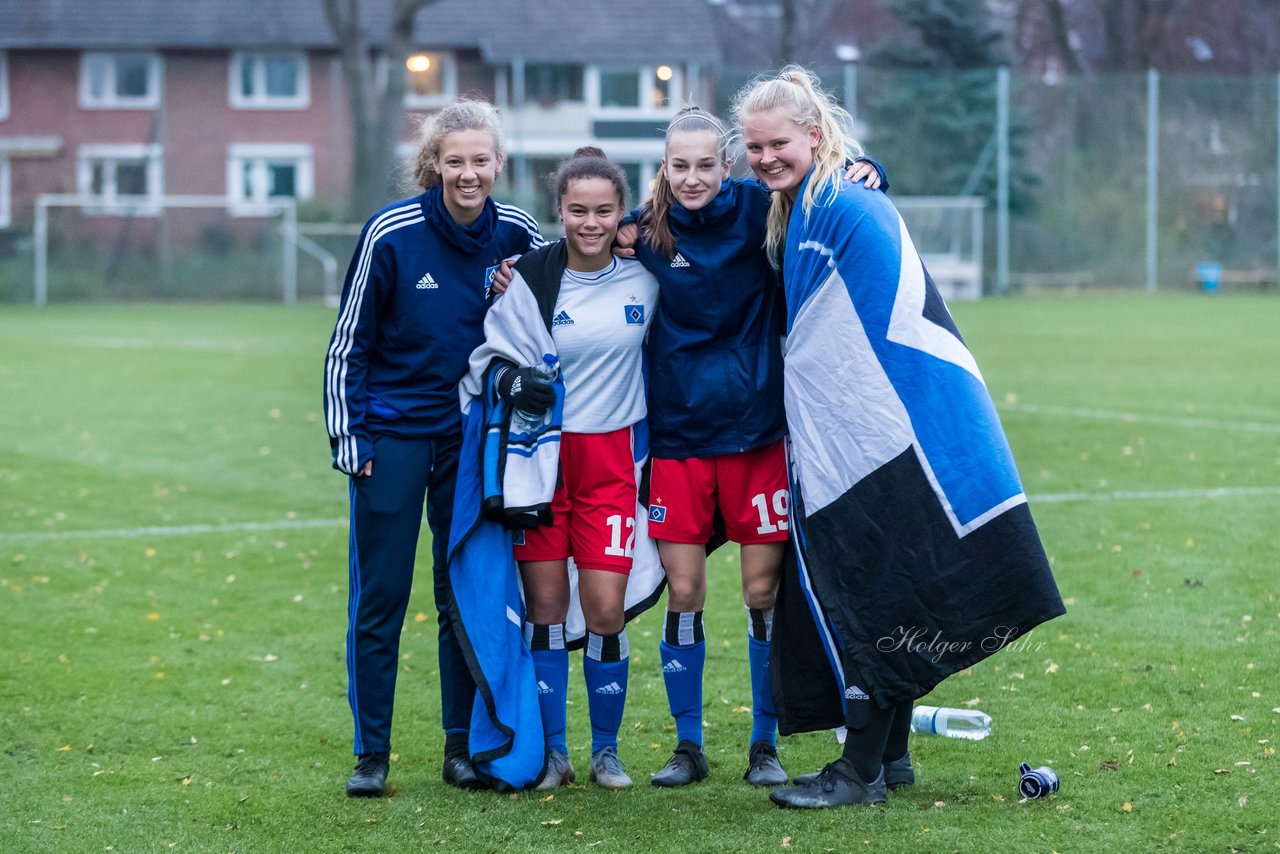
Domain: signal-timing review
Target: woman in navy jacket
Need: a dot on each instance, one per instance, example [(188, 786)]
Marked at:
[(412, 310), (716, 418)]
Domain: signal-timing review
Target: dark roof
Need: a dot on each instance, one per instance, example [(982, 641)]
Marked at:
[(540, 30)]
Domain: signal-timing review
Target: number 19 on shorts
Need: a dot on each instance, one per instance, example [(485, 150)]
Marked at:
[(778, 520)]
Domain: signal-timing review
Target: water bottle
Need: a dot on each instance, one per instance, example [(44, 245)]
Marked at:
[(1037, 782), (523, 421), (969, 724)]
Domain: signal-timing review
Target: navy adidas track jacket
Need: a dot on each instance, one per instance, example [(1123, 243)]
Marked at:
[(715, 355), (412, 311)]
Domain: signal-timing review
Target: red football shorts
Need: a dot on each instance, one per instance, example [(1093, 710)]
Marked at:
[(749, 489), (594, 508)]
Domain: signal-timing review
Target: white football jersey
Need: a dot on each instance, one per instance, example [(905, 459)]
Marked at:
[(599, 326)]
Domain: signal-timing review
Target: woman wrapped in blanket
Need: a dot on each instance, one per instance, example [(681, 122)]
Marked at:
[(911, 517), (597, 309)]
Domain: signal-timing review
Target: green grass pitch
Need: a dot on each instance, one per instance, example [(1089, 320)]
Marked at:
[(173, 594)]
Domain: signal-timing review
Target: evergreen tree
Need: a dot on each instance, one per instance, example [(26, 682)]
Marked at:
[(932, 114)]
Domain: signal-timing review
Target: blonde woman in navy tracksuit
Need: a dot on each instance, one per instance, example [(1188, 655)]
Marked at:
[(716, 418), (412, 310)]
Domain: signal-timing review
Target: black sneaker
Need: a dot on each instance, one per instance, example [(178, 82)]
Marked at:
[(763, 767), (369, 780), (837, 785), (899, 772), (458, 771), (687, 765), (896, 773)]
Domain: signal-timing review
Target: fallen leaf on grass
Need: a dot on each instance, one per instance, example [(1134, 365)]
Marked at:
[(786, 842), (741, 710), (552, 822), (1128, 807), (971, 703), (1237, 717), (1109, 765), (1221, 771), (1193, 582)]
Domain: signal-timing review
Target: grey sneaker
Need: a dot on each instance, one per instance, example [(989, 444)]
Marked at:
[(687, 765), (559, 771), (763, 767), (897, 773), (837, 785), (607, 770)]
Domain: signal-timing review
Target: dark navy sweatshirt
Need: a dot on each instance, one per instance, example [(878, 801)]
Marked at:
[(412, 310)]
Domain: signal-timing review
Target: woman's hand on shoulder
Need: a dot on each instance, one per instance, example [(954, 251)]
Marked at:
[(624, 245), (502, 277), (864, 171)]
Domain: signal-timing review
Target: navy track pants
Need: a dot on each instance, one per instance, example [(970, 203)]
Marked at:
[(386, 516)]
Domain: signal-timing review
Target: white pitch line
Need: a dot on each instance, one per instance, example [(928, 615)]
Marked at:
[(1140, 418), (299, 524), (175, 530), (1155, 494)]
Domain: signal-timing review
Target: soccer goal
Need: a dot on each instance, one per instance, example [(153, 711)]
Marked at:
[(947, 232), (169, 247)]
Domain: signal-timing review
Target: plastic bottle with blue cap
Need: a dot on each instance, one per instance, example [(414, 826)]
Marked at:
[(523, 421), (969, 724)]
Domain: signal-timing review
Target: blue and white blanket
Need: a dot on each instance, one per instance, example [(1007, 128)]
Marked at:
[(918, 555)]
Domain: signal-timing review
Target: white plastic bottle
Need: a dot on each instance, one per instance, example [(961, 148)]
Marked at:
[(523, 421), (969, 724)]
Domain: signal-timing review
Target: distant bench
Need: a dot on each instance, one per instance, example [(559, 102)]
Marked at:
[(1069, 281), (1245, 280)]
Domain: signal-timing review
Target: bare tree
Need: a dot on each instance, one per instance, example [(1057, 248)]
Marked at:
[(376, 100)]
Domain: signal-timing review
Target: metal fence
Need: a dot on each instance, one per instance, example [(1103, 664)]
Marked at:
[(1112, 181), (1104, 181)]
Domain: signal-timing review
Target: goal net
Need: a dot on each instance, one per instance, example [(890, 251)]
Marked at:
[(947, 232), (165, 248)]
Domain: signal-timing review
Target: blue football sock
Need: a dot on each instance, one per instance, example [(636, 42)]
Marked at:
[(604, 666), (551, 666), (764, 718), (684, 655)]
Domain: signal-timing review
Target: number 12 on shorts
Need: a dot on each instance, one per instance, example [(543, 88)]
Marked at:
[(615, 547), (778, 521)]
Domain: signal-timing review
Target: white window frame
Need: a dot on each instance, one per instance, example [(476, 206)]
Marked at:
[(300, 155), (591, 91), (4, 85), (111, 203), (260, 100), (421, 102), (6, 204), (110, 100)]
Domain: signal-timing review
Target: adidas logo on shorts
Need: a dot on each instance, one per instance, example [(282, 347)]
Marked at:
[(674, 666), (679, 261), (853, 692), (611, 688), (544, 688)]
